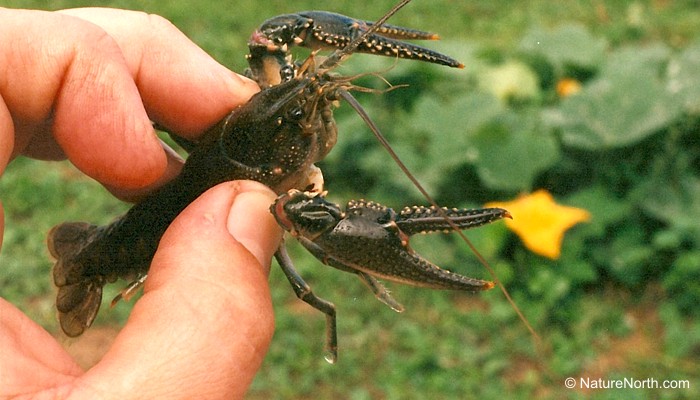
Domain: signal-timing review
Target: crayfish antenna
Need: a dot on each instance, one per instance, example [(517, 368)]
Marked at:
[(385, 143)]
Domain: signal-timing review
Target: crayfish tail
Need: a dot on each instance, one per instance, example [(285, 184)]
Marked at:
[(78, 305), (79, 292), (67, 243)]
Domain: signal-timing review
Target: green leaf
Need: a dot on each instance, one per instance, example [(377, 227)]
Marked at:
[(681, 335), (632, 59), (684, 79), (512, 151), (568, 45), (627, 257), (604, 207), (677, 204), (451, 124), (617, 109), (683, 282)]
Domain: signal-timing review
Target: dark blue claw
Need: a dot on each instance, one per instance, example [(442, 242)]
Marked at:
[(321, 30), (373, 239)]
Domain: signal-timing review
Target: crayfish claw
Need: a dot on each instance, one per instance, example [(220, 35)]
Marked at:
[(372, 240), (269, 45), (400, 32), (419, 219), (328, 30)]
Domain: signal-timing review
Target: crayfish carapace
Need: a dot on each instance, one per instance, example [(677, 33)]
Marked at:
[(275, 139)]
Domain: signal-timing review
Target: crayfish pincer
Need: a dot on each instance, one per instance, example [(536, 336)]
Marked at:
[(270, 61), (371, 241), (275, 138)]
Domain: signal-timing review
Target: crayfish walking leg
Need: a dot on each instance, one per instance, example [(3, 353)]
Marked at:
[(304, 292)]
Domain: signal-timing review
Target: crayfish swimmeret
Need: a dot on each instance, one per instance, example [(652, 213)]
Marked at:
[(276, 138)]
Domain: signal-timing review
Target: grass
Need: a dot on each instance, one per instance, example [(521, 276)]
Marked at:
[(446, 345)]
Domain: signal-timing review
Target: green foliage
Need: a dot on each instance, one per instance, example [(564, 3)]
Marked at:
[(625, 148), (621, 106), (622, 148), (568, 48)]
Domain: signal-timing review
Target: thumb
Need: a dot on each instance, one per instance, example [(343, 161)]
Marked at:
[(206, 308), (231, 219)]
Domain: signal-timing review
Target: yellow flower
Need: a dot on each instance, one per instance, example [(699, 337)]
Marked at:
[(540, 222)]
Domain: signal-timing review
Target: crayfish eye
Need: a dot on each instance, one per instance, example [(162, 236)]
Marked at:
[(295, 114), (286, 73), (314, 219)]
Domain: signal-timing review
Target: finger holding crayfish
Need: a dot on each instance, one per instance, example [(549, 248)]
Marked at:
[(270, 61)]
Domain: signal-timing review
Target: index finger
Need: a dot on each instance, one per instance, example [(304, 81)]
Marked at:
[(64, 81), (96, 93), (182, 87)]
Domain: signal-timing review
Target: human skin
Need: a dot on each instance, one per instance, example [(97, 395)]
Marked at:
[(85, 84)]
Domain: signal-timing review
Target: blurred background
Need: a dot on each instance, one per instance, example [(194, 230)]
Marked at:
[(595, 102)]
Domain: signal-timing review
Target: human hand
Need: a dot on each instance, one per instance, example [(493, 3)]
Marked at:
[(201, 328), (84, 84)]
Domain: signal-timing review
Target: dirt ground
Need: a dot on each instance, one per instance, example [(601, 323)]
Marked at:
[(615, 353), (91, 346)]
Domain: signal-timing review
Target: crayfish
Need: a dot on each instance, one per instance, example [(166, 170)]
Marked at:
[(275, 139)]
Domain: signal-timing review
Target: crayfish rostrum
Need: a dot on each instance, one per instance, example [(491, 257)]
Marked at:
[(275, 139)]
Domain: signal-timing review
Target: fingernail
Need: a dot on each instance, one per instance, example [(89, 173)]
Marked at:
[(241, 88), (251, 223)]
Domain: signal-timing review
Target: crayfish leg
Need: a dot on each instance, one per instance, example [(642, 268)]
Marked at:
[(303, 291), (128, 292), (380, 292)]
